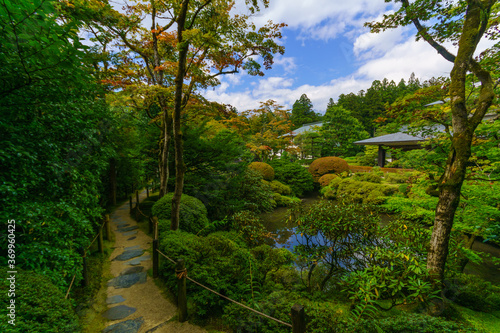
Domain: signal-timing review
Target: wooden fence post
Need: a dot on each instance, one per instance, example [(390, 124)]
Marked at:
[(100, 241), (130, 203), (136, 198), (180, 271), (85, 281), (298, 319), (155, 258), (108, 228)]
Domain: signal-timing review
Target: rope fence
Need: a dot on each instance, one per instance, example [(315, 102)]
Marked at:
[(298, 317)]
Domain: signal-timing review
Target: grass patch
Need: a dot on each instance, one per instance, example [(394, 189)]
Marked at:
[(485, 322)]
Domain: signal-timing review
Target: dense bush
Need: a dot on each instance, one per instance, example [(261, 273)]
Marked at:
[(294, 175), (253, 194), (325, 165), (264, 169), (284, 201), (278, 187), (39, 305), (222, 262), (368, 177), (473, 292), (325, 179), (358, 191), (396, 178), (407, 323), (192, 214)]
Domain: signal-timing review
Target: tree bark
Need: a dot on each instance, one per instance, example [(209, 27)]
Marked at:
[(464, 126), (180, 167), (166, 139)]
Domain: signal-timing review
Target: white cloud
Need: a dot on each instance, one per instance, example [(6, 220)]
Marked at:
[(318, 19), (288, 63)]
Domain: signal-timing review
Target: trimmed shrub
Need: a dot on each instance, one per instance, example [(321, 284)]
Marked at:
[(294, 175), (368, 177), (325, 165), (325, 179), (396, 178), (278, 187), (39, 305), (285, 201), (264, 169), (193, 214), (408, 323)]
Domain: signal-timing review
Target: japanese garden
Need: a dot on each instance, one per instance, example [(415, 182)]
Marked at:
[(133, 200)]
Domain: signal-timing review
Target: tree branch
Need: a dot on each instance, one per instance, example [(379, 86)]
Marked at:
[(428, 38)]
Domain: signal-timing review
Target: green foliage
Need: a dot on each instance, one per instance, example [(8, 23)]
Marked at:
[(325, 165), (285, 201), (252, 194), (278, 187), (39, 305), (264, 169), (249, 225), (213, 172), (473, 292), (408, 323), (303, 113), (340, 130), (367, 177), (396, 178), (54, 140), (222, 262), (193, 214), (368, 157), (334, 238), (326, 179), (358, 191), (293, 175)]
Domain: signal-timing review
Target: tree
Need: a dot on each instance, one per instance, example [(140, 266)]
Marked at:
[(466, 23), (340, 129), (303, 113), (54, 139), (208, 41)]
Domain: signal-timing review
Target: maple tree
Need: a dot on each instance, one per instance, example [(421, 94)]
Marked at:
[(464, 23), (264, 129), (188, 45)]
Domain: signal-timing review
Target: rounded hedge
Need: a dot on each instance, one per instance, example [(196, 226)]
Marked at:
[(192, 214), (39, 305), (264, 169), (326, 179), (324, 165)]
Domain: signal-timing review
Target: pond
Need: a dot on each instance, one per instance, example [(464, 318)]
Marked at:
[(277, 222)]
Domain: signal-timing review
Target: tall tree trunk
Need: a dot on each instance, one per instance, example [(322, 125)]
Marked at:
[(464, 125), (166, 139), (180, 167)]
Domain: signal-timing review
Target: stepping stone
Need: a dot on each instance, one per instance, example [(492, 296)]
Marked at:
[(134, 227), (130, 233), (132, 270), (127, 281), (118, 312), (126, 255), (115, 299), (132, 238), (127, 326), (123, 224), (135, 247), (137, 261)]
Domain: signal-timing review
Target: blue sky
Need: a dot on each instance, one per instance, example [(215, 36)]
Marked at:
[(329, 52)]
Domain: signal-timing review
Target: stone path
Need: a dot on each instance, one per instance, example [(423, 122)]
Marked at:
[(135, 303)]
